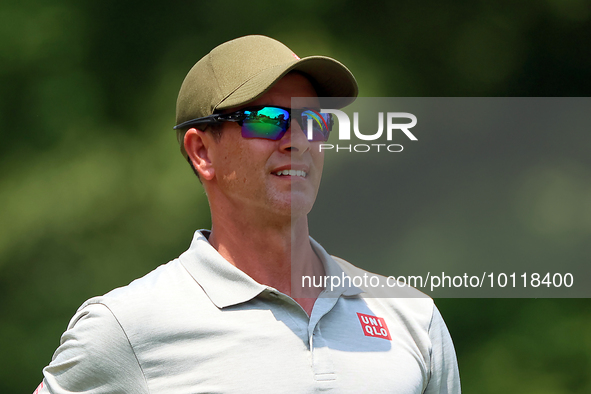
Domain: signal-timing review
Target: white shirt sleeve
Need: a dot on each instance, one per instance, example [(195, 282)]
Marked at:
[(445, 376), (94, 356)]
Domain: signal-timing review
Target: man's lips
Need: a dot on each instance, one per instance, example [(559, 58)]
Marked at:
[(299, 171)]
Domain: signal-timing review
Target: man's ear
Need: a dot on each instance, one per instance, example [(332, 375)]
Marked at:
[(197, 145)]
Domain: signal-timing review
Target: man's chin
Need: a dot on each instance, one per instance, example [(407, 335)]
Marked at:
[(293, 205), (301, 207)]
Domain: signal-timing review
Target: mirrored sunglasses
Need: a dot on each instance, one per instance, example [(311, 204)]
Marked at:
[(271, 122)]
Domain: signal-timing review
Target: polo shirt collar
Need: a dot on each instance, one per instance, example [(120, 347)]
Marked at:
[(214, 273), (223, 283), (333, 269)]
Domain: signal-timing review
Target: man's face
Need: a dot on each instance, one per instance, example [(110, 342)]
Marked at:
[(247, 170)]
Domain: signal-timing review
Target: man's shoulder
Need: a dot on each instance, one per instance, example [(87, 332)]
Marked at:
[(160, 279), (391, 286), (106, 333), (165, 285)]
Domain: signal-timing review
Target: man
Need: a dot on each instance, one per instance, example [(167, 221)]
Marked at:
[(227, 315)]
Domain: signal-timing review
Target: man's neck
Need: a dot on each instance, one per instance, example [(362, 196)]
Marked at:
[(271, 255)]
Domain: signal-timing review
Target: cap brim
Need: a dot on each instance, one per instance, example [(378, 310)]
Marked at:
[(330, 78)]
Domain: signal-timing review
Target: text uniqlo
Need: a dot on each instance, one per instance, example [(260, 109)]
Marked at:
[(374, 326)]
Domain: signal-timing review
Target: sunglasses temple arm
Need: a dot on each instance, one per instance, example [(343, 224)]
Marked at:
[(215, 118)]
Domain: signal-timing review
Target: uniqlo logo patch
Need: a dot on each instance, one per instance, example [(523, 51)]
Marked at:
[(374, 326)]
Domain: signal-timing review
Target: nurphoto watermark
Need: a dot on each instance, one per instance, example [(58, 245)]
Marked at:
[(358, 129)]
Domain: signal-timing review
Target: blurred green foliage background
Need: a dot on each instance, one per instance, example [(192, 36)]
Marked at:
[(93, 191)]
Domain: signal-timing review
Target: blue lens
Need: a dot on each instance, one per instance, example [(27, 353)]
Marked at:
[(321, 124), (267, 122)]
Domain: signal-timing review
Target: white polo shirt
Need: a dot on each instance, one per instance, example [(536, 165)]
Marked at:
[(200, 325)]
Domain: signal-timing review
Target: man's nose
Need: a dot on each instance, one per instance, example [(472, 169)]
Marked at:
[(295, 140)]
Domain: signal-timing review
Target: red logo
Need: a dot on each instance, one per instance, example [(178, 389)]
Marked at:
[(374, 326)]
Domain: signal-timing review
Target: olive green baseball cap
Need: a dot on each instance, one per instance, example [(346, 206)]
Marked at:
[(241, 70)]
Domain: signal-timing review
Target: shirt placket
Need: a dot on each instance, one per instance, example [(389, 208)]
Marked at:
[(322, 365)]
